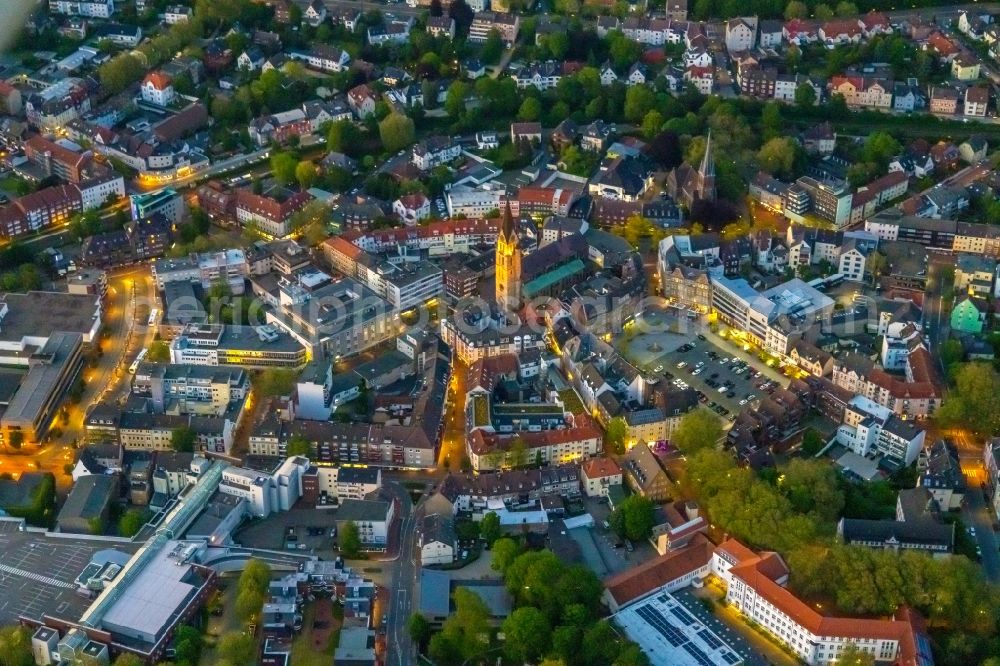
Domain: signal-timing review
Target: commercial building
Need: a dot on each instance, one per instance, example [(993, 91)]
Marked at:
[(869, 428), (338, 319), (52, 369), (775, 318), (229, 266), (266, 493), (255, 347), (372, 518), (167, 202), (337, 484), (191, 389)]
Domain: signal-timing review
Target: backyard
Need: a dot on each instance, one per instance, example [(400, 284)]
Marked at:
[(315, 645)]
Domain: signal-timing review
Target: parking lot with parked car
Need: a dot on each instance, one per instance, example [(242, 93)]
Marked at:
[(725, 382)]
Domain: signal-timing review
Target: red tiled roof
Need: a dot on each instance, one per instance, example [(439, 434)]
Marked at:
[(650, 576), (757, 573), (272, 209), (847, 27), (40, 144), (159, 80), (343, 246), (597, 468)]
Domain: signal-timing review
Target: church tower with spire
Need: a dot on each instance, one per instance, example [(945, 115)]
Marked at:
[(706, 172), (508, 262)]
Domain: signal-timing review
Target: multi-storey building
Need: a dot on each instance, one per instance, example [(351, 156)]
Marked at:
[(256, 347), (90, 8)]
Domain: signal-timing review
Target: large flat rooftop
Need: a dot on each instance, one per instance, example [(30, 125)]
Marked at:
[(37, 314), (37, 573)]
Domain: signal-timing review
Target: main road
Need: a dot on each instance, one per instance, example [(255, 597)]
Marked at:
[(402, 592)]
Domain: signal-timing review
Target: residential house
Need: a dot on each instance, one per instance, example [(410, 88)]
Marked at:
[(976, 100), (599, 475), (441, 26), (157, 88), (858, 91), (974, 149), (411, 208), (969, 315), (944, 100), (965, 67), (314, 13), (438, 542), (531, 132), (484, 22), (362, 100), (646, 475), (741, 34)]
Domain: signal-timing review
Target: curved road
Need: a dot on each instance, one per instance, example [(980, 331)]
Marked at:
[(400, 649)]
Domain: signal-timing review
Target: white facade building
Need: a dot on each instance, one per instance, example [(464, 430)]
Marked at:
[(266, 493)]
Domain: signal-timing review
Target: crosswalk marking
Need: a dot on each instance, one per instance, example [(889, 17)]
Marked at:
[(35, 577)]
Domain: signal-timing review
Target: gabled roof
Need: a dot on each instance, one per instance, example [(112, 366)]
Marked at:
[(640, 581)]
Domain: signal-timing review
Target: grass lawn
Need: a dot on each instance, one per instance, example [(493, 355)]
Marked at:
[(223, 624), (315, 646)]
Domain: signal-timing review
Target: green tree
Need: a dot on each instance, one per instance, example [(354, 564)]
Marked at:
[(350, 540), (454, 101), (298, 445), (248, 604), (517, 454), (813, 487), (492, 48), (466, 631), (306, 174), (159, 352), (951, 352), (822, 12), (531, 110), (131, 522), (127, 659), (879, 148), (256, 575), (187, 646), (652, 123), (698, 429), (183, 439), (876, 265), (237, 648), (489, 528), (778, 156), (527, 634), (120, 72), (846, 9), (796, 9), (812, 442), (634, 518), (283, 166), (16, 439), (419, 628), (631, 655), (615, 434), (975, 401), (274, 382), (852, 655), (505, 551), (15, 646), (396, 132), (771, 124), (343, 136), (639, 100)]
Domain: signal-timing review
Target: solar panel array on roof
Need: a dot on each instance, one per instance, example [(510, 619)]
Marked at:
[(698, 654), (709, 639), (732, 658), (683, 615), (658, 622)]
